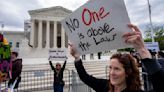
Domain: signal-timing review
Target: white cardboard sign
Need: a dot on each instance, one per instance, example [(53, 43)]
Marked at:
[(57, 54), (97, 26), (153, 46)]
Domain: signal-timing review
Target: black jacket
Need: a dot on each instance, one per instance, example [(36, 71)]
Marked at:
[(99, 85), (16, 68), (154, 69), (58, 79), (16, 72)]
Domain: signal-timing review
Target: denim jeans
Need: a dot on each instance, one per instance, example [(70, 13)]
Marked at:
[(58, 88)]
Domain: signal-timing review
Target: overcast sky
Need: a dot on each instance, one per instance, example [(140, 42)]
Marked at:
[(14, 12)]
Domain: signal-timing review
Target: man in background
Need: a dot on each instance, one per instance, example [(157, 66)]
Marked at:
[(16, 70)]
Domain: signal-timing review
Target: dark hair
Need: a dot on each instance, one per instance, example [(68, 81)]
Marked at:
[(133, 78), (15, 53), (137, 61)]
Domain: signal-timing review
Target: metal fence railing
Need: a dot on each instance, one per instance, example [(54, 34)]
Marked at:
[(78, 85), (37, 80)]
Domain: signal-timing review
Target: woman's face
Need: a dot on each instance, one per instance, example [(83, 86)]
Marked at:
[(117, 73), (58, 66)]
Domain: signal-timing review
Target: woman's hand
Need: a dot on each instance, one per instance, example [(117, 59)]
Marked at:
[(73, 51), (134, 38)]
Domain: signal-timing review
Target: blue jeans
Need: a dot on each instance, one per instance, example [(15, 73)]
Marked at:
[(58, 88)]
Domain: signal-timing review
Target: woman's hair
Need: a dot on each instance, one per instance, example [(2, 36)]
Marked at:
[(137, 61), (133, 78)]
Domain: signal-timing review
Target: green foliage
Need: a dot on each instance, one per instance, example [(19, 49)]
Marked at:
[(158, 35), (147, 40), (126, 49), (160, 41)]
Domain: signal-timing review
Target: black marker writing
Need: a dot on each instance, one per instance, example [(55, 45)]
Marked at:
[(100, 31), (74, 24), (84, 46), (81, 36), (104, 39)]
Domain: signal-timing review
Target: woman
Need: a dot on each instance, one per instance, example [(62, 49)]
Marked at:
[(123, 74), (58, 76)]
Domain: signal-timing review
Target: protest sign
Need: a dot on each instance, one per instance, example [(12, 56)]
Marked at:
[(57, 54), (153, 46), (5, 64), (97, 26)]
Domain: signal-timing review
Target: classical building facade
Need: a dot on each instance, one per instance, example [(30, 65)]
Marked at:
[(44, 32), (46, 29)]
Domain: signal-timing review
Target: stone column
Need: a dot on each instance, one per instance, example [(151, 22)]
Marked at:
[(62, 37), (55, 34), (47, 34), (40, 34), (32, 32)]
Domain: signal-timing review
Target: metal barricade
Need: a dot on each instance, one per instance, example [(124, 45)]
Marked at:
[(78, 85), (35, 80), (38, 80)]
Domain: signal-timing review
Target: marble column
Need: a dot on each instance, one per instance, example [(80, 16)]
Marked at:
[(55, 34), (62, 37), (40, 34), (47, 34), (32, 32)]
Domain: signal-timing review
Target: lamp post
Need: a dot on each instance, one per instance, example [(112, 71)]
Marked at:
[(151, 24)]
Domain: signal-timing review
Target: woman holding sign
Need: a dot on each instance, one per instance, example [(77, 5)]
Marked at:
[(58, 76), (123, 73)]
